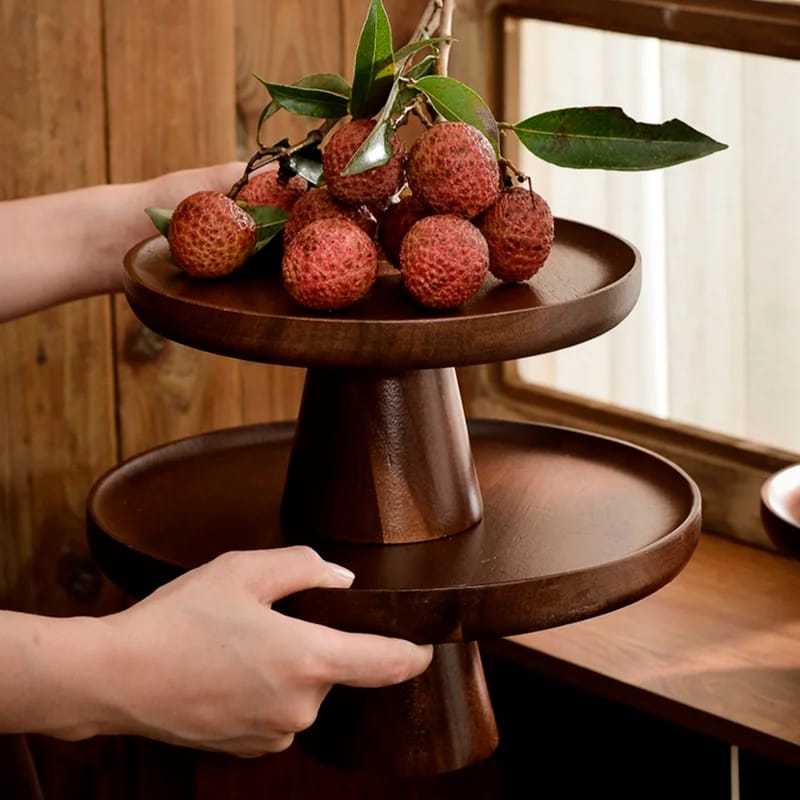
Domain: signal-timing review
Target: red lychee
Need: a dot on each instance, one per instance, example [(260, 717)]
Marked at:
[(318, 204), (330, 264), (209, 235), (453, 169), (271, 189), (518, 227), (444, 260), (374, 185), (396, 222)]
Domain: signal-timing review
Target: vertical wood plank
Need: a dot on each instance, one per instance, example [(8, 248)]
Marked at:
[(171, 105), (281, 42), (56, 415), (57, 421)]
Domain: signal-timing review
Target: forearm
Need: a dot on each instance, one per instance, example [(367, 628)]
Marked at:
[(65, 246), (60, 247), (56, 675)]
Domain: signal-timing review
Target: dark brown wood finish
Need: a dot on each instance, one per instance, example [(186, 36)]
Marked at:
[(386, 459), (591, 283), (439, 723), (573, 525), (746, 25), (715, 651), (780, 509)]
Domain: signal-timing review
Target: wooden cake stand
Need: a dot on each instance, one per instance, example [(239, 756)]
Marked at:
[(457, 531)]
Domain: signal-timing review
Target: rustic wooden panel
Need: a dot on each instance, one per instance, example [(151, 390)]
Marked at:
[(57, 416), (280, 42), (57, 428), (171, 105)]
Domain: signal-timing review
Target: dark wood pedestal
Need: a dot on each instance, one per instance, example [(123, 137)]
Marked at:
[(457, 531)]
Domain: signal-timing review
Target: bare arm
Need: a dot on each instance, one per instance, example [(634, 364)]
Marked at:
[(203, 662), (65, 246)]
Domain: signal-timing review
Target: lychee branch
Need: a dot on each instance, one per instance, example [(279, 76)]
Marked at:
[(445, 30), (419, 107), (508, 166), (268, 155), (428, 22)]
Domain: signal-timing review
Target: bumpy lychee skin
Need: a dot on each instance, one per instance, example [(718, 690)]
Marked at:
[(329, 265), (396, 222), (209, 235), (519, 230), (271, 189), (443, 261), (318, 204), (374, 185), (452, 168)]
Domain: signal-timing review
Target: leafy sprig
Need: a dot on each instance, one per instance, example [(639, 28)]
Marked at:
[(392, 85)]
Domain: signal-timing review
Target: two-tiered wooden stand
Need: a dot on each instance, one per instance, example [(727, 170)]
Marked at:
[(457, 530)]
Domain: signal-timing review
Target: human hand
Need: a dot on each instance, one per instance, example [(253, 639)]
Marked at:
[(165, 191), (207, 663), (79, 253)]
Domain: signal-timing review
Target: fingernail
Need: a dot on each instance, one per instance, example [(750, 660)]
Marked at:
[(341, 572)]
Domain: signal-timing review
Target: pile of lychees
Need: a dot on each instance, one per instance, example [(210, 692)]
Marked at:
[(440, 213)]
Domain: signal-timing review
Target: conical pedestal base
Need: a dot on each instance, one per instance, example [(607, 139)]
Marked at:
[(439, 722)]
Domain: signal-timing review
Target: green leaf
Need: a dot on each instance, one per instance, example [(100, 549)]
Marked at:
[(376, 150), (413, 47), (323, 96), (160, 217), (607, 138), (373, 68), (326, 81), (269, 223), (306, 164), (457, 102)]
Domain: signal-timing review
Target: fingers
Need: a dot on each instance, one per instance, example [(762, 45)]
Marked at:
[(367, 661), (274, 574)]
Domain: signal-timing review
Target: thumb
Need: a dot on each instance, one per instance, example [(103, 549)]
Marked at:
[(284, 571)]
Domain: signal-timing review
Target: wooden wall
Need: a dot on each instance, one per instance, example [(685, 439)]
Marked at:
[(98, 91)]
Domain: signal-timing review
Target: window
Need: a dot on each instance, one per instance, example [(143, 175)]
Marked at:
[(701, 363), (715, 338)]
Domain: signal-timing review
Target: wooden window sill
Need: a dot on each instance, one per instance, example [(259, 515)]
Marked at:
[(717, 650)]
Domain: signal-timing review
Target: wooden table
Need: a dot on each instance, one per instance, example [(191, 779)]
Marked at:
[(716, 650)]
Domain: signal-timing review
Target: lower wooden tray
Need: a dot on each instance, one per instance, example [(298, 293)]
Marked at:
[(574, 525)]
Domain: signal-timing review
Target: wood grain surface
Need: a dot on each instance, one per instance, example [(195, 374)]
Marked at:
[(717, 650), (172, 106)]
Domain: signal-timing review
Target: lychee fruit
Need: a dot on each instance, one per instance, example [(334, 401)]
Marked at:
[(443, 261), (374, 185), (209, 235), (319, 204), (518, 227), (396, 222), (452, 168), (273, 189), (330, 264)]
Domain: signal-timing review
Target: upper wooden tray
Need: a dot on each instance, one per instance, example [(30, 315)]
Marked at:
[(589, 284)]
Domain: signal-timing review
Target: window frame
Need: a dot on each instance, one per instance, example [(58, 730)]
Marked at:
[(728, 471)]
